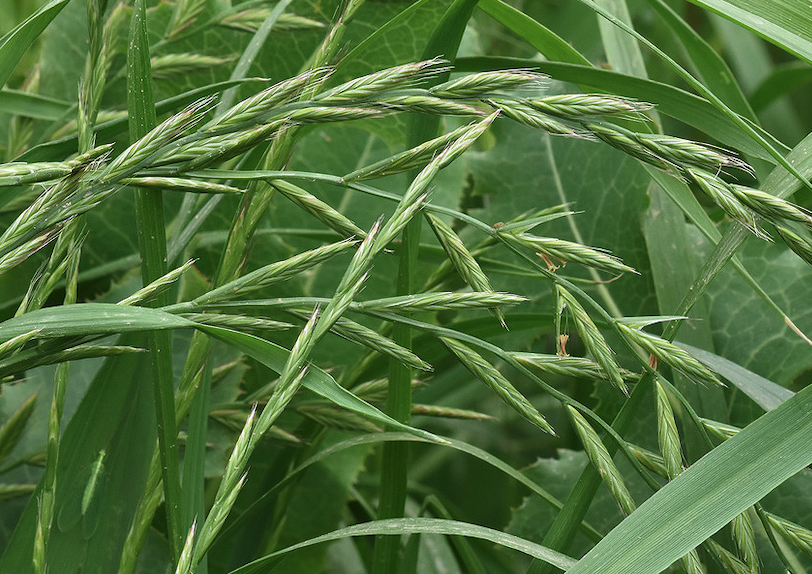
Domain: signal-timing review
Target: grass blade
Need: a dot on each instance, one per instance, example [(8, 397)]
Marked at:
[(537, 35), (785, 23), (14, 44), (418, 525)]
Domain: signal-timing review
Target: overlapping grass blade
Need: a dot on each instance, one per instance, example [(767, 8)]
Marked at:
[(724, 483), (418, 525), (785, 23), (14, 44)]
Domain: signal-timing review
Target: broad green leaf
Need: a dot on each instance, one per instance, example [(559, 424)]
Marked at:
[(785, 23), (533, 518), (118, 419), (771, 349), (423, 526), (726, 481), (763, 391), (14, 44)]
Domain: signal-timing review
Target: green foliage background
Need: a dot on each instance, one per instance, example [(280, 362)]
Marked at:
[(511, 170)]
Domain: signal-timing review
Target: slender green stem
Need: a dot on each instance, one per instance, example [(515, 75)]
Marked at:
[(395, 458), (149, 216)]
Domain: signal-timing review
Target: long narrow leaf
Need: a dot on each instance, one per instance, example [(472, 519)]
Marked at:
[(422, 526), (785, 23), (14, 44)]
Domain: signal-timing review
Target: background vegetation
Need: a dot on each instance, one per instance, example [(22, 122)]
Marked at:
[(463, 363)]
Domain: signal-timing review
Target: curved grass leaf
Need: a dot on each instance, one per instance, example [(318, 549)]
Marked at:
[(767, 394), (537, 35), (88, 319), (459, 445), (710, 66), (274, 357), (785, 23), (30, 105), (704, 498), (397, 526), (14, 44)]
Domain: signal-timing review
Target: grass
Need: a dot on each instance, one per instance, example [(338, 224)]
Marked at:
[(358, 286)]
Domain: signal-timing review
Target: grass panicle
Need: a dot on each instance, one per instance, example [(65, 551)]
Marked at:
[(798, 243), (185, 563), (253, 107), (567, 366), (575, 106), (10, 346), (251, 19), (272, 273), (720, 430), (795, 534), (462, 260), (692, 564), (449, 413), (325, 213), (184, 15), (602, 461), (439, 301), (594, 341), (667, 433), (157, 286), (11, 432), (568, 252), (669, 353), (483, 84), (497, 382), (652, 461), (771, 207), (158, 137), (725, 557), (362, 335), (365, 87), (529, 116), (723, 195), (744, 536), (181, 184), (406, 160), (238, 322), (169, 66)]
